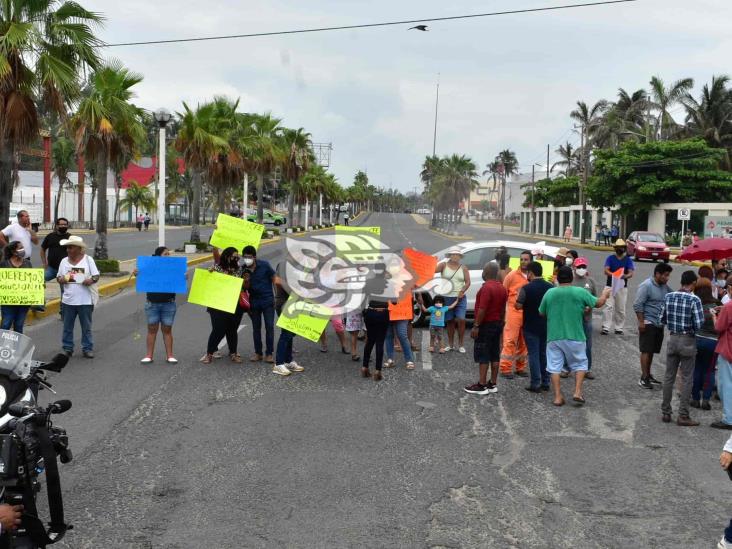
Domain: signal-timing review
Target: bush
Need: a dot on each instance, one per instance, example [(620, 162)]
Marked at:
[(107, 265), (274, 232), (200, 246)]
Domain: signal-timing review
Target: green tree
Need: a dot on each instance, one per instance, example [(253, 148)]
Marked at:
[(711, 116), (297, 145), (262, 146), (569, 160), (137, 197), (45, 46), (663, 99), (63, 161), (108, 127), (563, 191), (639, 176)]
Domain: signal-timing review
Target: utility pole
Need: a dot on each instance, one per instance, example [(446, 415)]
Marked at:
[(547, 161), (437, 105), (583, 184), (502, 174), (533, 205)]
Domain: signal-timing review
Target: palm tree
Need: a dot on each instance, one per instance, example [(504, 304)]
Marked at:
[(624, 120), (138, 197), (298, 146), (261, 146), (63, 160), (569, 160), (430, 167), (199, 144), (711, 116), (108, 127), (45, 45), (663, 99)]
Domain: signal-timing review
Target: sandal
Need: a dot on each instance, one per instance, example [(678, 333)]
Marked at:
[(345, 351), (355, 358), (389, 363), (365, 373), (256, 358), (206, 359), (579, 400), (235, 357), (432, 349), (560, 403), (323, 350)]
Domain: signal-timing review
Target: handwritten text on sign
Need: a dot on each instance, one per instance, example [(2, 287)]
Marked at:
[(215, 290), (22, 287), (232, 231), (305, 319)]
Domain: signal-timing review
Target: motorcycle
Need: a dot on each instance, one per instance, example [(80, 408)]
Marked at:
[(29, 442)]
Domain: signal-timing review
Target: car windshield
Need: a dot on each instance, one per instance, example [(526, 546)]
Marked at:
[(16, 354), (650, 237)]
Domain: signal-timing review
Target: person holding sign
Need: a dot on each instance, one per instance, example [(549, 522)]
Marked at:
[(160, 311), (261, 278), (614, 313), (400, 316), (14, 315), (225, 324), (77, 273)]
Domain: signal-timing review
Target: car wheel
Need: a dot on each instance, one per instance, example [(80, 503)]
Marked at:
[(665, 260), (636, 258), (277, 222), (420, 318)]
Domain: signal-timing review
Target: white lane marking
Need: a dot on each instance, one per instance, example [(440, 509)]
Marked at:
[(426, 355), (223, 341)]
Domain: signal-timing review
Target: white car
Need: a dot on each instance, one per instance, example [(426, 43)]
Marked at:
[(475, 257), (424, 211)]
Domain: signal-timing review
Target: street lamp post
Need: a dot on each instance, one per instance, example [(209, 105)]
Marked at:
[(162, 117)]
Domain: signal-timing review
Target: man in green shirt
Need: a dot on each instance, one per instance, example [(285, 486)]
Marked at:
[(564, 308)]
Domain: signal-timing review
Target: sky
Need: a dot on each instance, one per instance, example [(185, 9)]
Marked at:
[(505, 82)]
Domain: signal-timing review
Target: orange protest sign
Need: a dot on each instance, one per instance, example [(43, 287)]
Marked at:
[(402, 310), (422, 264)]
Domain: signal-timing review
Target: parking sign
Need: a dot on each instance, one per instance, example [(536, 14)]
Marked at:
[(684, 214)]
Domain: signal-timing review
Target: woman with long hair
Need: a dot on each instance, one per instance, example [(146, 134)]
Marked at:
[(14, 315), (706, 342), (225, 324)]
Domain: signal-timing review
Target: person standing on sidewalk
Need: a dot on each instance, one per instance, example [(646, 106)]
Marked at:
[(684, 316), (490, 311), (529, 299), (77, 274), (514, 353), (146, 220), (459, 276), (14, 315), (614, 313), (52, 252), (648, 307), (723, 326)]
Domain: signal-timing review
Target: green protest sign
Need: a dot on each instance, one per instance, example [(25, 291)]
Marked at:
[(215, 290), (22, 287), (305, 319), (232, 231)]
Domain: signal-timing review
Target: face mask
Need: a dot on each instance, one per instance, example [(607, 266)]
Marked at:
[(720, 283), (568, 261), (62, 230), (619, 251), (581, 271), (248, 261), (20, 253)]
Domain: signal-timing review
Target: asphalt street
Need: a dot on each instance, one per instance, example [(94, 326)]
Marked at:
[(231, 456)]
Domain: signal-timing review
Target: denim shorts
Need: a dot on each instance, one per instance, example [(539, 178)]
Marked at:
[(459, 311), (160, 313), (573, 352)]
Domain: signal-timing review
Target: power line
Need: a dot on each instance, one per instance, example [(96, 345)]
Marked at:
[(370, 25)]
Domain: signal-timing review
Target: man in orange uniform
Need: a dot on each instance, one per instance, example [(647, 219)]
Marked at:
[(514, 347)]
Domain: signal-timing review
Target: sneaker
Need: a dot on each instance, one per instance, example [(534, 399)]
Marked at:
[(295, 367), (724, 544), (88, 354), (146, 360), (686, 421), (522, 373), (654, 380), (605, 331), (389, 363), (619, 332), (477, 389), (461, 350), (281, 370), (491, 388), (446, 349), (721, 425), (507, 376), (645, 383)]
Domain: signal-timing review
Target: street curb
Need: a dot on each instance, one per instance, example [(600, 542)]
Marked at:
[(450, 236)]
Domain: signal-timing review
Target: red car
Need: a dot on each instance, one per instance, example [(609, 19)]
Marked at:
[(645, 245)]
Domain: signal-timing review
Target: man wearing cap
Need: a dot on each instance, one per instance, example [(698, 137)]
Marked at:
[(614, 313), (560, 259), (582, 279), (459, 278), (514, 352), (77, 274)]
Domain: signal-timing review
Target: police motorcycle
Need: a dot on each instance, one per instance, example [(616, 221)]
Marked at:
[(29, 443)]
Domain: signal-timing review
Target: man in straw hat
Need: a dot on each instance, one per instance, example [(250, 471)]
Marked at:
[(77, 275), (614, 312)]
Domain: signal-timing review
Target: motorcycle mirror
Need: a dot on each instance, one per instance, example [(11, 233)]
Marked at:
[(18, 409), (60, 406), (57, 363)]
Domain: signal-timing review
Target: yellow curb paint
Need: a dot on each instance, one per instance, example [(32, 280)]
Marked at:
[(451, 237), (420, 220)]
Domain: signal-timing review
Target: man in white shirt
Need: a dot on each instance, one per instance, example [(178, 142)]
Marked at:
[(22, 232), (77, 274)]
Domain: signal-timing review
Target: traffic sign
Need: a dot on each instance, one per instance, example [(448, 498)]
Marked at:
[(684, 214)]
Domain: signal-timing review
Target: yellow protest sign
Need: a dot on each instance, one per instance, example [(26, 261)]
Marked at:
[(215, 290), (359, 244), (232, 231), (547, 267), (303, 318), (514, 263), (354, 229), (22, 287)]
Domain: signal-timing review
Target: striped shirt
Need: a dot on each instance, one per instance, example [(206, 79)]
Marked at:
[(682, 313)]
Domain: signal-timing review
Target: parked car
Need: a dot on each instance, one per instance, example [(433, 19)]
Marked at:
[(424, 211), (475, 256), (407, 211), (269, 217), (645, 245)]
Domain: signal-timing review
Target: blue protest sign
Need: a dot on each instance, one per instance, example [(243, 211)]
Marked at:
[(161, 274)]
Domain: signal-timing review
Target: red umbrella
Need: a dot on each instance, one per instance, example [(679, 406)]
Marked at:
[(709, 248)]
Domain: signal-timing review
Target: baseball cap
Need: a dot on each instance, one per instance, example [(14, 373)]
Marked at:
[(580, 261)]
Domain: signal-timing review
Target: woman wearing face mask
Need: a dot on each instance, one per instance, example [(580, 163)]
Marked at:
[(14, 315), (225, 324)]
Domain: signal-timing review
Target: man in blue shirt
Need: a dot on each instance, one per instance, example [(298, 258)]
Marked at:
[(260, 280), (684, 316), (614, 312)]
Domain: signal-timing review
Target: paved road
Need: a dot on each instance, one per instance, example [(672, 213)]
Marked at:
[(233, 456)]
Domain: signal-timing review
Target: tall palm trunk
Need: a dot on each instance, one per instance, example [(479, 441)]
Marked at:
[(92, 201), (260, 197), (221, 200), (196, 206), (6, 180), (100, 248), (117, 185), (291, 207), (61, 180), (299, 213)]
